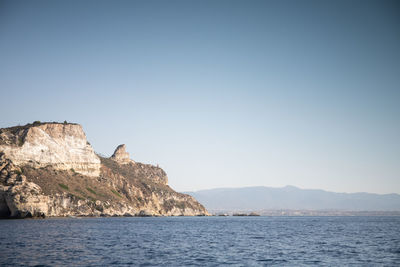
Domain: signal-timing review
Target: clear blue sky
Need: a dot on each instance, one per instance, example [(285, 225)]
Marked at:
[(219, 93)]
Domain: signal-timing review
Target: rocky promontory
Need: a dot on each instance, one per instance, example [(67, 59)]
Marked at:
[(50, 169)]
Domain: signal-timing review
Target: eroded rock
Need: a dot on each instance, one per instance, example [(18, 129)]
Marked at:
[(51, 170), (121, 156)]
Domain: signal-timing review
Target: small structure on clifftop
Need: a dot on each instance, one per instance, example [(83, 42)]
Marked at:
[(121, 156)]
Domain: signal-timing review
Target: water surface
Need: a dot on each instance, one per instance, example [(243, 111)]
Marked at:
[(202, 241)]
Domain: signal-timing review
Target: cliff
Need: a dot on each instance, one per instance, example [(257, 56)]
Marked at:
[(63, 146), (49, 169)]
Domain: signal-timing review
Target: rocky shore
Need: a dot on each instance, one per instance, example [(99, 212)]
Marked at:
[(50, 169)]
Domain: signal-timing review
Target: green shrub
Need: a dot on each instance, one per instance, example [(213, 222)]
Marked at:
[(63, 186), (99, 208), (20, 142), (116, 193), (91, 190), (180, 204)]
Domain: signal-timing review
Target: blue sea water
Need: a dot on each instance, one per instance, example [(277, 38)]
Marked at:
[(201, 241)]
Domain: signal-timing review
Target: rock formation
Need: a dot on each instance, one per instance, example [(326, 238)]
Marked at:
[(49, 169), (121, 156)]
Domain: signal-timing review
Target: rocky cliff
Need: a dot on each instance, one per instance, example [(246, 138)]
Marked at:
[(63, 146), (49, 169)]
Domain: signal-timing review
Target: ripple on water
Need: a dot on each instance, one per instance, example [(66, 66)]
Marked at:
[(201, 241)]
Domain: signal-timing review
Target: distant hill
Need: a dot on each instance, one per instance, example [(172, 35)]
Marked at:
[(290, 197)]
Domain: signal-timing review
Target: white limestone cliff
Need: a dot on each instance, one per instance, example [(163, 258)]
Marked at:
[(63, 146)]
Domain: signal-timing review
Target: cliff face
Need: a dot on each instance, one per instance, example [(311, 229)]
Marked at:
[(50, 169), (63, 146)]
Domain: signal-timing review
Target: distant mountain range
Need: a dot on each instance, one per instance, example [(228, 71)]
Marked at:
[(292, 198)]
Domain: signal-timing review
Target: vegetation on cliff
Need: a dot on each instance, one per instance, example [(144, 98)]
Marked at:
[(120, 186)]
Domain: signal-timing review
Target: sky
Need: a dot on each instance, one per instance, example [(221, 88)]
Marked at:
[(218, 93)]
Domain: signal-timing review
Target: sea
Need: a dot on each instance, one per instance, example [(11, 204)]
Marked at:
[(201, 241)]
